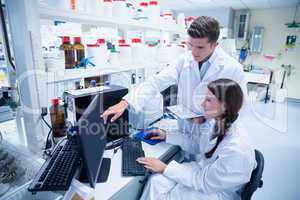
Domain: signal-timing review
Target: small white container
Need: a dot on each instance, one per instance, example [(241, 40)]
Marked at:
[(181, 20), (154, 12), (58, 4), (142, 12), (125, 54), (189, 20), (114, 58), (107, 8), (94, 7), (151, 52), (98, 52), (119, 9), (168, 18), (130, 10), (137, 51)]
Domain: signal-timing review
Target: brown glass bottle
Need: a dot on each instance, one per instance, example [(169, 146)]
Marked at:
[(57, 116), (68, 49), (79, 50)]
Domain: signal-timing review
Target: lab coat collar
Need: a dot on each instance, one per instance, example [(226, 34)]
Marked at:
[(216, 62)]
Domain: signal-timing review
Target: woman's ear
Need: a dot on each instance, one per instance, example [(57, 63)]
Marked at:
[(223, 109)]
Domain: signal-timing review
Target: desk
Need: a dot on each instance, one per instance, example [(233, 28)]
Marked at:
[(264, 79), (119, 187), (257, 78)]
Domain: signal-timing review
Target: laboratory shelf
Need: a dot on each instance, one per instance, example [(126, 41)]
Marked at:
[(125, 24), (79, 73)]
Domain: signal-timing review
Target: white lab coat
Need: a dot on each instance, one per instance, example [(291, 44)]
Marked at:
[(185, 73), (221, 177)]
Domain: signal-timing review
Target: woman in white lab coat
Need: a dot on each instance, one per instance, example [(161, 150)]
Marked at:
[(225, 157)]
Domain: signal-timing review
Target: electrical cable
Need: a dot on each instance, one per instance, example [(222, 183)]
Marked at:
[(48, 142), (5, 36)]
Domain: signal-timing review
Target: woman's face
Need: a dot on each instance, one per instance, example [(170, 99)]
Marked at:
[(212, 106)]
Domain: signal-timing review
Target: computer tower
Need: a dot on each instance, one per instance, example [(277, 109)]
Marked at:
[(78, 100)]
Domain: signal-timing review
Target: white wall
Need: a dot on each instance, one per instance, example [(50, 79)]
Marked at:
[(273, 21), (223, 15)]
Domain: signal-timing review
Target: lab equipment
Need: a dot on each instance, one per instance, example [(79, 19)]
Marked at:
[(257, 39), (131, 150), (79, 100)]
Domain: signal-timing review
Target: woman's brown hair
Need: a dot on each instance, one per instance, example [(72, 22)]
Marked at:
[(230, 94)]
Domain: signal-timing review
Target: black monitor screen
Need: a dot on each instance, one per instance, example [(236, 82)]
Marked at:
[(92, 136)]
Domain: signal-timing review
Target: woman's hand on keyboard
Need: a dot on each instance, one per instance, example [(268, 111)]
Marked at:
[(153, 164)]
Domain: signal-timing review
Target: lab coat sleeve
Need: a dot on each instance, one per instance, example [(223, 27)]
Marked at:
[(225, 172), (192, 142), (184, 141), (154, 85)]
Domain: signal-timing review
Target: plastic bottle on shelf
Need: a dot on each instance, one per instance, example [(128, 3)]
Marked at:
[(151, 51), (125, 52), (181, 20), (94, 7), (154, 12), (68, 50), (57, 117), (98, 52), (137, 51), (114, 56), (73, 5), (168, 18), (107, 8), (82, 6), (189, 20), (130, 10), (79, 50), (142, 12), (119, 9)]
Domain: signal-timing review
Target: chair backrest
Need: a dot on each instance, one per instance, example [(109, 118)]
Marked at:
[(255, 181)]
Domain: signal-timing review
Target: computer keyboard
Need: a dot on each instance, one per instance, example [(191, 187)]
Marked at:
[(131, 150), (58, 171)]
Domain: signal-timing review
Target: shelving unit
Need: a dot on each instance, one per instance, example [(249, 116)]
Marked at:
[(98, 20), (72, 74)]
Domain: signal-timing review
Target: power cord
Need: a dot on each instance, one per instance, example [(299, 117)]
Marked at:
[(1, 137), (48, 144)]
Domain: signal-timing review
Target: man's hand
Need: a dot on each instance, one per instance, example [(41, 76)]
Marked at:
[(115, 110), (153, 164)]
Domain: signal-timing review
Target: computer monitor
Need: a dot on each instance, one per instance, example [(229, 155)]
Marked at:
[(92, 136)]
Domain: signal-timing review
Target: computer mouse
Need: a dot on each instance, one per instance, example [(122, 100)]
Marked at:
[(148, 136)]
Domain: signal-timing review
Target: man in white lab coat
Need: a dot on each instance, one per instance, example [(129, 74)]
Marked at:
[(204, 62)]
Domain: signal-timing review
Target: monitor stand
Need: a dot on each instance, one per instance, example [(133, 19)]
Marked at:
[(103, 174)]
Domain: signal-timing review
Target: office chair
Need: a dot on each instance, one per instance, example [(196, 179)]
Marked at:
[(255, 181)]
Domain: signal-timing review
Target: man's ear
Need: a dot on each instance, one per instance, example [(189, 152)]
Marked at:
[(214, 44)]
